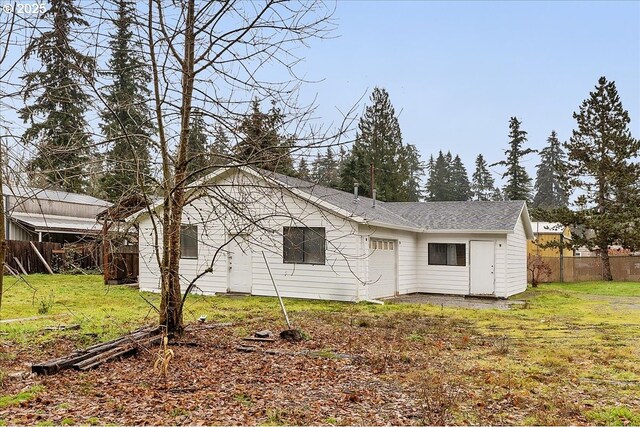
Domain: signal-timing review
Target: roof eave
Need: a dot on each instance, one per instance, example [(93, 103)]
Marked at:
[(526, 222), (465, 231)]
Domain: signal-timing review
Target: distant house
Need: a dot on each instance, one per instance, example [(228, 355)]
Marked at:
[(549, 232), (40, 215), (322, 243)]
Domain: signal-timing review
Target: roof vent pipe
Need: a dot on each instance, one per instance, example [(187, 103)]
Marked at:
[(355, 191), (374, 197)]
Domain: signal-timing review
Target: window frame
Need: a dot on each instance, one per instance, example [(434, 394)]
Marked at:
[(295, 252), (183, 236), (446, 263)]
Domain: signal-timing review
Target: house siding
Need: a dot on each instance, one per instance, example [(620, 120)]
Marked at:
[(406, 256), (270, 210), (516, 261), (454, 280), (345, 274)]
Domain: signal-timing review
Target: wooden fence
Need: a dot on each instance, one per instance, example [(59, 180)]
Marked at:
[(123, 265), (580, 269), (61, 258)]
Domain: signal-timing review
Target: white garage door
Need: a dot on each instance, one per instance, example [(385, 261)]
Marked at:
[(382, 268)]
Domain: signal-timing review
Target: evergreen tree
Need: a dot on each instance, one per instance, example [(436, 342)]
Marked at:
[(198, 149), (379, 143), (518, 181), (460, 186), (483, 184), (220, 150), (414, 172), (601, 162), (303, 169), (438, 184), (126, 120), (261, 143), (325, 169), (550, 186), (61, 138)]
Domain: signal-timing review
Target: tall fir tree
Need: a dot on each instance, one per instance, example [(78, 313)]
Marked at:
[(482, 183), (518, 181), (261, 142), (57, 126), (601, 161), (438, 184), (198, 148), (460, 187), (325, 169), (378, 143), (220, 150), (414, 173), (126, 120), (550, 187), (448, 179), (303, 169)]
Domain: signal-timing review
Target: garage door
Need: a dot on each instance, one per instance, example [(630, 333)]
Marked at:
[(382, 268)]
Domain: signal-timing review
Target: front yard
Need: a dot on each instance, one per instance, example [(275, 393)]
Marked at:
[(571, 355)]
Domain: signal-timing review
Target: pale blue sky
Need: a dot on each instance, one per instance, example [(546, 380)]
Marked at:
[(456, 71)]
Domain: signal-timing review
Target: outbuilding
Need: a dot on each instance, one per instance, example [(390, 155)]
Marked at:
[(321, 243)]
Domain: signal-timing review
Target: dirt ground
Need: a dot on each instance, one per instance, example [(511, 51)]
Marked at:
[(396, 364)]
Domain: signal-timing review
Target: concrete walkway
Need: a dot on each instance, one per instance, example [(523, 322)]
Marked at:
[(457, 301)]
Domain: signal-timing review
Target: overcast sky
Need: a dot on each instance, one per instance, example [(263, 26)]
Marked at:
[(456, 71)]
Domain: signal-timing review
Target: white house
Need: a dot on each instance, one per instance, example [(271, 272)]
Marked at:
[(323, 243)]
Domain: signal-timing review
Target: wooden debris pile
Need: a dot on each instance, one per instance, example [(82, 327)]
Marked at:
[(95, 355)]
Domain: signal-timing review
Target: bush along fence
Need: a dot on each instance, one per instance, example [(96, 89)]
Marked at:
[(581, 269)]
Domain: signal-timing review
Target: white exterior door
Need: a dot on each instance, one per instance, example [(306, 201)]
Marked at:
[(382, 268), (239, 265), (482, 255)]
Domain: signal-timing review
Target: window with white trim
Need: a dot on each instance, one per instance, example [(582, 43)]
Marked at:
[(448, 254), (303, 245), (189, 241)]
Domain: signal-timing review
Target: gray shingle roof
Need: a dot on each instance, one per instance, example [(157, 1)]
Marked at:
[(472, 215), (54, 195), (345, 201)]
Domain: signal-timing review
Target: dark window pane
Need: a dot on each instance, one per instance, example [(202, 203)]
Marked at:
[(437, 254), (189, 241), (447, 254), (461, 255), (314, 245), (302, 245), (293, 238)]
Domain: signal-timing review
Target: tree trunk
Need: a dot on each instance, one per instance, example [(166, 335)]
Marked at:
[(171, 305), (3, 241)]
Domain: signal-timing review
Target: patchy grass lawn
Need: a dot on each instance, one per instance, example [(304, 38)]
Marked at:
[(570, 356)]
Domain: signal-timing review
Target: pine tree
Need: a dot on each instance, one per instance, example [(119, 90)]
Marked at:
[(459, 178), (220, 150), (379, 143), (518, 181), (601, 153), (261, 143), (303, 169), (325, 169), (414, 172), (61, 138), (438, 187), (550, 186), (198, 149), (126, 120), (483, 184)]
